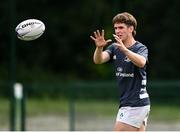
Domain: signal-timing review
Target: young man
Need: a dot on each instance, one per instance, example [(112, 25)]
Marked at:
[(130, 58)]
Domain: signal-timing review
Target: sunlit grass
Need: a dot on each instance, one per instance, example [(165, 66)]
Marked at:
[(97, 107), (164, 112)]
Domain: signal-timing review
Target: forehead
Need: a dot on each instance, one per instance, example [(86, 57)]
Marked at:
[(120, 25)]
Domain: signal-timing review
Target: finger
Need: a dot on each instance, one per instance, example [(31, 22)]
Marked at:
[(93, 38), (95, 34), (98, 33), (117, 44), (103, 33), (115, 36), (116, 39), (108, 41)]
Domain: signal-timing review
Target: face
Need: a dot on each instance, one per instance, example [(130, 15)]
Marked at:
[(123, 31)]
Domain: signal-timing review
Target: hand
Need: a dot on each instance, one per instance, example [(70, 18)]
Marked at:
[(99, 39), (119, 43)]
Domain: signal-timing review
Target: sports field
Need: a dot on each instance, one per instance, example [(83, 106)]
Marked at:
[(48, 114)]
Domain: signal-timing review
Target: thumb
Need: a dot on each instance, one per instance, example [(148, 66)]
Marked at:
[(108, 41)]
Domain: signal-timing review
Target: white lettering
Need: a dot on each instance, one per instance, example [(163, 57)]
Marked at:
[(124, 74), (144, 95), (144, 82)]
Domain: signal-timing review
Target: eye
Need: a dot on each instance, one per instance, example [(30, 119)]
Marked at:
[(115, 27), (121, 27)]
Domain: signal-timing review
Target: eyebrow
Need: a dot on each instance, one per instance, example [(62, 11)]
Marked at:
[(118, 26)]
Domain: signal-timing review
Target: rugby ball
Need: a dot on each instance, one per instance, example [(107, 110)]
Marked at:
[(30, 29)]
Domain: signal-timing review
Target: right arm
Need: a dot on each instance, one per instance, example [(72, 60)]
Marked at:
[(100, 56)]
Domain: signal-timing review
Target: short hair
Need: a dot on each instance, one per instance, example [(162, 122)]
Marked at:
[(127, 19)]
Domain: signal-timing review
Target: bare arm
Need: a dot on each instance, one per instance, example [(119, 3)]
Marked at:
[(135, 58), (100, 56)]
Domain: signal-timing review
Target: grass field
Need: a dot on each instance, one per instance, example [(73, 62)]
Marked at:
[(85, 111), (106, 108)]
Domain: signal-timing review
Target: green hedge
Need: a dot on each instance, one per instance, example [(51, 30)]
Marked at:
[(158, 90)]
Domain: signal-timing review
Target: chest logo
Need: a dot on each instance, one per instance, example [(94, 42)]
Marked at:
[(126, 59), (114, 57), (119, 69)]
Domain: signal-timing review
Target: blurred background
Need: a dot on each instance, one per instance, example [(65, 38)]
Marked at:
[(62, 88)]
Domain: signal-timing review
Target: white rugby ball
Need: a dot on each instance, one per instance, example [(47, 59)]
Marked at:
[(30, 29)]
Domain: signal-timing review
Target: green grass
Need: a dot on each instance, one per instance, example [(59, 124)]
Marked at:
[(104, 108), (40, 106), (61, 106), (4, 112), (159, 112), (162, 112)]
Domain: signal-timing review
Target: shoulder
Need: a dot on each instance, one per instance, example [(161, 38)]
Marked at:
[(111, 49), (112, 46), (140, 45)]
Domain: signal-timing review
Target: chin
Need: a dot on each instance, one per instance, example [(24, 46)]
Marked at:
[(123, 40)]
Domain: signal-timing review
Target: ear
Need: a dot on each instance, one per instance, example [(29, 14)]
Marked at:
[(131, 28)]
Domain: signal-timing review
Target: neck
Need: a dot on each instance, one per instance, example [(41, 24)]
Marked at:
[(129, 42)]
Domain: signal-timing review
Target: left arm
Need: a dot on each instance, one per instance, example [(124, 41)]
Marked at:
[(135, 58)]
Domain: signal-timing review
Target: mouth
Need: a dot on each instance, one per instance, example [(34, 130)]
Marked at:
[(120, 36)]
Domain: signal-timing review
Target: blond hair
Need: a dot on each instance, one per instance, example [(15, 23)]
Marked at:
[(127, 19)]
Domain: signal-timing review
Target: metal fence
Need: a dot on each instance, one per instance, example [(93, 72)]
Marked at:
[(80, 101)]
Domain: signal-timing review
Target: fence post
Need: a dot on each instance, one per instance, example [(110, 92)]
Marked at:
[(23, 110), (72, 108), (20, 109), (12, 59)]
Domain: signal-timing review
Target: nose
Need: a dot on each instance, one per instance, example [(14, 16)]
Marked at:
[(117, 31)]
